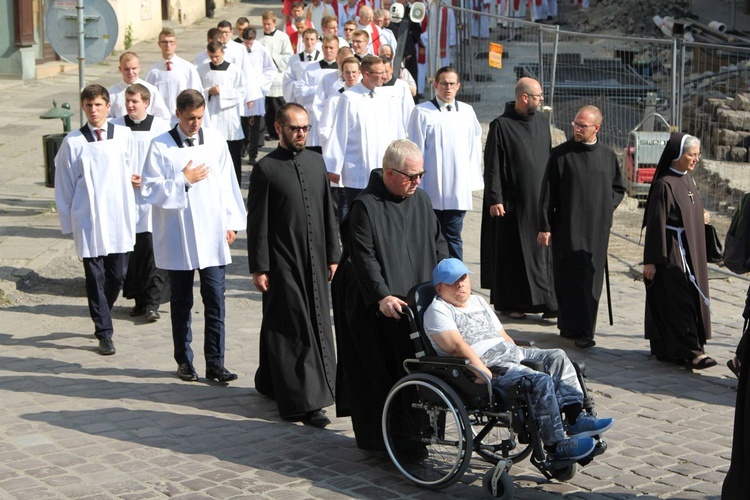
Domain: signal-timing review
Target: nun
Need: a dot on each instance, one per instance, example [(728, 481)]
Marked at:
[(677, 321)]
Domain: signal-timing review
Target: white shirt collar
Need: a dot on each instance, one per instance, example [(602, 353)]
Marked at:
[(443, 104)]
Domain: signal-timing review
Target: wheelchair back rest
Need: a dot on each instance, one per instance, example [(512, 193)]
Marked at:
[(419, 298)]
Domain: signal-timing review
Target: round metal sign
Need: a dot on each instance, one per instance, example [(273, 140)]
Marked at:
[(100, 29)]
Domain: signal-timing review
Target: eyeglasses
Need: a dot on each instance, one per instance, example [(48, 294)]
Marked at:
[(581, 125), (449, 85), (411, 177), (696, 156), (535, 96), (296, 130)]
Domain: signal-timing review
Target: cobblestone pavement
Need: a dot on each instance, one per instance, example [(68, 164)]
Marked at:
[(77, 425)]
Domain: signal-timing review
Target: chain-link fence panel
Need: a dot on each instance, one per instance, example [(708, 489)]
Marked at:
[(645, 87), (716, 108)]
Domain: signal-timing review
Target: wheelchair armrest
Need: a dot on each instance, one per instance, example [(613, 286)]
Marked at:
[(534, 365), (445, 360), (524, 343)]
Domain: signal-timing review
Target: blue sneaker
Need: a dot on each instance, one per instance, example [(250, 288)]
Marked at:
[(573, 448), (586, 426)]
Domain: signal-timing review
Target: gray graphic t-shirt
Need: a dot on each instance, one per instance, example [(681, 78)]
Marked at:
[(476, 323)]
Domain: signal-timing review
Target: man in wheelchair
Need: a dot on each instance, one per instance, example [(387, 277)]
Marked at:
[(461, 324)]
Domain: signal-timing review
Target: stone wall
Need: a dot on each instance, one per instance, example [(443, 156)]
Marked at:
[(721, 122)]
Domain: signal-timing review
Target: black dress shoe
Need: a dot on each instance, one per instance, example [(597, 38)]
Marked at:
[(138, 310), (186, 372), (152, 314), (316, 418), (106, 347), (585, 343), (220, 374)]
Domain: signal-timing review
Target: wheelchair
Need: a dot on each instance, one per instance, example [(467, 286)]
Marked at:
[(436, 416)]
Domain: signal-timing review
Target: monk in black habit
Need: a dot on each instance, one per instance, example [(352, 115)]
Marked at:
[(293, 250), (581, 189), (391, 244), (678, 321), (737, 482), (517, 271)]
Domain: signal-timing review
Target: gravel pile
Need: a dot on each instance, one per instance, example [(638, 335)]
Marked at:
[(628, 17)]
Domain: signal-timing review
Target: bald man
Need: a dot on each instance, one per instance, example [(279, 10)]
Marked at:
[(515, 269)]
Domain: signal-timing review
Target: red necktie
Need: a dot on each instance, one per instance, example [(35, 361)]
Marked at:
[(99, 134), (169, 65)]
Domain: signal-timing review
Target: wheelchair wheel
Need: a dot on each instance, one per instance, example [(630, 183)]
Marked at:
[(565, 474), (505, 486), (491, 446), (426, 431)]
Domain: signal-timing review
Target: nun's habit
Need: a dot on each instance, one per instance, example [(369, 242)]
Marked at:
[(677, 321)]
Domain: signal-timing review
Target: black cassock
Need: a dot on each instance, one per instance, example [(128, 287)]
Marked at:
[(737, 482), (582, 187), (517, 271), (391, 244), (292, 236), (677, 321)]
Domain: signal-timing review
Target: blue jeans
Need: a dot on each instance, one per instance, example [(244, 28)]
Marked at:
[(451, 225), (554, 388), (212, 292)]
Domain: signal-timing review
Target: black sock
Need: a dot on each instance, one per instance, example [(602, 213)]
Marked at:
[(572, 411)]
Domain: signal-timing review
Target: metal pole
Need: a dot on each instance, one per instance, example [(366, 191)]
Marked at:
[(540, 42), (681, 43), (553, 73), (673, 117), (433, 44), (81, 55)]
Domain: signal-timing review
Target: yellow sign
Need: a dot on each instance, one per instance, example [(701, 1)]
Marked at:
[(496, 55)]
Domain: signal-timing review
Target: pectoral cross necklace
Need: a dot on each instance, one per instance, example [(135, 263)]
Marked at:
[(690, 193)]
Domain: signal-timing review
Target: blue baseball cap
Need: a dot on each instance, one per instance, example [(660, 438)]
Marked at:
[(448, 271)]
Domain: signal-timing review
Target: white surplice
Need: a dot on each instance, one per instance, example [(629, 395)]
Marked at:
[(156, 105), (305, 90), (279, 48), (94, 193), (225, 109), (298, 63), (190, 225), (170, 83), (142, 140), (451, 143), (260, 72), (363, 127)]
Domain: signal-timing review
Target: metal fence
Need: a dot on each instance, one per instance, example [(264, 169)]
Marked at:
[(697, 88)]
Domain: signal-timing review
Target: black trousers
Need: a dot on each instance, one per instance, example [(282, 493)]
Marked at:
[(145, 283), (104, 278), (272, 106), (235, 151), (253, 126)]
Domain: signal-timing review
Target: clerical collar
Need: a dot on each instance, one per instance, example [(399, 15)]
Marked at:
[(678, 172), (221, 67), (591, 143), (271, 33), (143, 125)]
